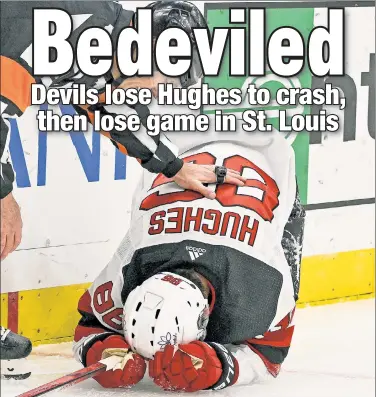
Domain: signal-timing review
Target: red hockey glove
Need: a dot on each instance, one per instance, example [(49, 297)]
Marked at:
[(131, 370), (193, 367)]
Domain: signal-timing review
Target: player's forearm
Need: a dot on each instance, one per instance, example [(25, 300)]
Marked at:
[(89, 329), (251, 367), (82, 345)]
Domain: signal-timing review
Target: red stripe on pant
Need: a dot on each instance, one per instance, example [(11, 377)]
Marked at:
[(13, 311)]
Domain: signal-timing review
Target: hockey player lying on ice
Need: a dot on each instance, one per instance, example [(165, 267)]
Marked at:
[(204, 290), (155, 153)]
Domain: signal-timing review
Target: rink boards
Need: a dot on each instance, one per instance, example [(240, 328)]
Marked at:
[(66, 181)]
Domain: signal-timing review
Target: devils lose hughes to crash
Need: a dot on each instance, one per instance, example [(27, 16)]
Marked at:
[(204, 289)]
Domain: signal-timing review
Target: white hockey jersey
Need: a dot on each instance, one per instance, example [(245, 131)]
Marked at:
[(235, 241)]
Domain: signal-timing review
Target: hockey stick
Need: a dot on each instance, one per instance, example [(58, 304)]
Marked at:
[(75, 377)]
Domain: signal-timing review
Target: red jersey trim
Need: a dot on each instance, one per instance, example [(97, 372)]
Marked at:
[(83, 332), (84, 304)]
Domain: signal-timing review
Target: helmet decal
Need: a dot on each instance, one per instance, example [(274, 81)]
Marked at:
[(169, 339)]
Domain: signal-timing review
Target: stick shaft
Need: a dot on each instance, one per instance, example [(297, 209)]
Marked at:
[(68, 380)]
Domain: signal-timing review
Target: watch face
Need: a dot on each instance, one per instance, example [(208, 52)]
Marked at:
[(221, 171)]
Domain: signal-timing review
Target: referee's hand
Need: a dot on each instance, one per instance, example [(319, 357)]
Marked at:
[(193, 176)]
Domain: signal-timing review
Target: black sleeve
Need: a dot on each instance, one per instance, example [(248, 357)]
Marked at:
[(6, 171), (155, 153), (10, 107)]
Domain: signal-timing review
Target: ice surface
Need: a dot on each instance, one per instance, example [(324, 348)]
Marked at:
[(332, 355)]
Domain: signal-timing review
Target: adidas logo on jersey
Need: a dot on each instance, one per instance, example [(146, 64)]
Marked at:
[(194, 252)]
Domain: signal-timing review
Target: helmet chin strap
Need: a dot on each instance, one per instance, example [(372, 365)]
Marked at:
[(211, 297)]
